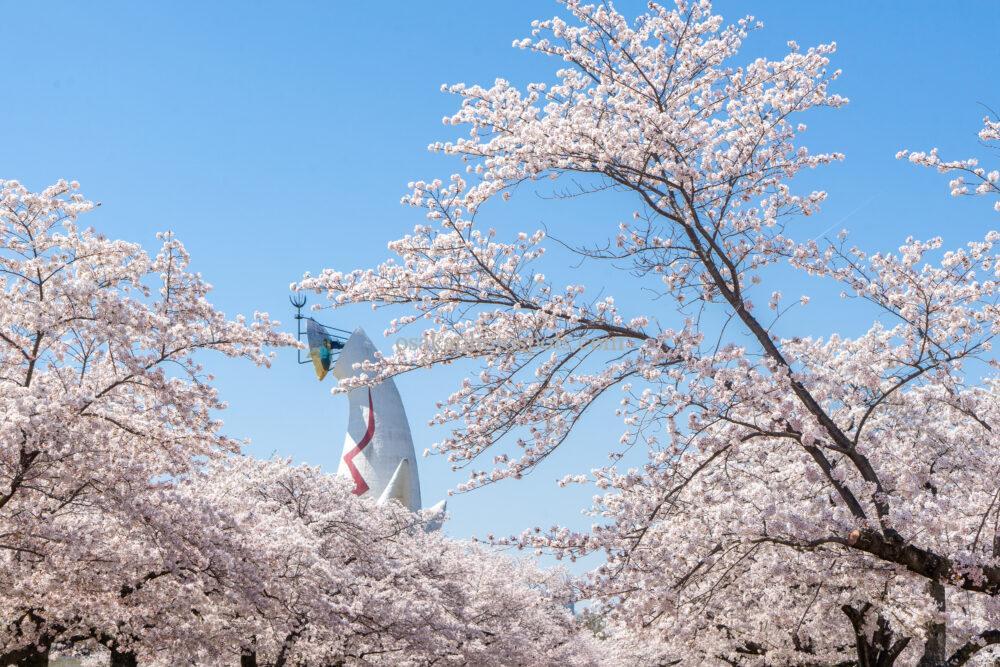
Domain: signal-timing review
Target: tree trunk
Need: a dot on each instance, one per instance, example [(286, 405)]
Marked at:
[(935, 645), (29, 656), (36, 659), (882, 648), (248, 658), (282, 659), (123, 659)]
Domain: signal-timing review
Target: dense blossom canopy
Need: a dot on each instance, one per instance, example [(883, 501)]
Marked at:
[(797, 498), (130, 526), (804, 499), (102, 396)]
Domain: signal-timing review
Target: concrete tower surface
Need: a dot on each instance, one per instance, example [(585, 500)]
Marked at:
[(378, 448)]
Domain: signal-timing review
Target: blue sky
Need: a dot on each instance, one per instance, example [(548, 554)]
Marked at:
[(276, 138)]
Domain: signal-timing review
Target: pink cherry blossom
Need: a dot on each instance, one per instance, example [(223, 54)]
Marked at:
[(968, 177)]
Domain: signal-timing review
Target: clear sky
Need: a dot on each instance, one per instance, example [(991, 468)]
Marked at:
[(276, 138)]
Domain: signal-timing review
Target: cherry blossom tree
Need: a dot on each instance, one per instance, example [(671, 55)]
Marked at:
[(338, 579), (132, 531), (803, 499), (264, 563), (103, 398)]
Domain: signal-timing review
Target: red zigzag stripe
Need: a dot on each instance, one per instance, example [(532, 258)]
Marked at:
[(360, 486)]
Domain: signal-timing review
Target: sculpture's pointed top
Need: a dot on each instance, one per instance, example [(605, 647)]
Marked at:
[(358, 348)]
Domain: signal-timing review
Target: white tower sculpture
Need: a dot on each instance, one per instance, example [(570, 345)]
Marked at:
[(378, 456), (378, 449)]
